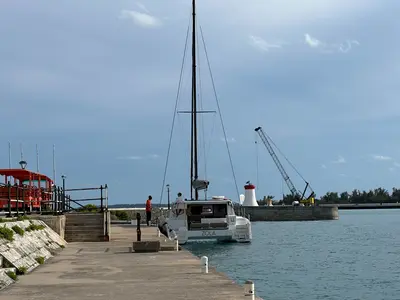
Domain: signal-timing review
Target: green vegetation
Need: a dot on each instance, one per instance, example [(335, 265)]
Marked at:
[(33, 227), (22, 218), (22, 270), (13, 219), (121, 215), (40, 260), (378, 195), (88, 208), (18, 230), (6, 233), (62, 246), (12, 275)]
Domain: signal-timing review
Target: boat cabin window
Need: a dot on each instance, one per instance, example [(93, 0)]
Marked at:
[(35, 183), (208, 210)]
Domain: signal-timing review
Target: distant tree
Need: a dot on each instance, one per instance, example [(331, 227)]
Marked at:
[(378, 195)]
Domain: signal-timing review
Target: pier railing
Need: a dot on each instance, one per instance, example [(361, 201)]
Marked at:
[(19, 200)]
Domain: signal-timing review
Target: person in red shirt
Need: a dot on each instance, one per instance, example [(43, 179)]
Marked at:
[(148, 210)]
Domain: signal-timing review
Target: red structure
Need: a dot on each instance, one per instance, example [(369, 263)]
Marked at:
[(24, 188)]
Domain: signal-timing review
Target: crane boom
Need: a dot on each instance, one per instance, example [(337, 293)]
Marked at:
[(277, 162)]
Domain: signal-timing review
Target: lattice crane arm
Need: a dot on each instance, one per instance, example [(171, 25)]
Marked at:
[(278, 164)]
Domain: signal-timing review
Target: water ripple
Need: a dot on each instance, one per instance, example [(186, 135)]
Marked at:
[(353, 258)]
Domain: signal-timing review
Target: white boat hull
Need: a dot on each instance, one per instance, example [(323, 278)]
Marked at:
[(187, 226)]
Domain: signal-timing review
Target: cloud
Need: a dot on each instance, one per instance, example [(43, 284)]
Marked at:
[(142, 7), (151, 156), (396, 164), (229, 140), (340, 160), (142, 19), (323, 166), (262, 44), (312, 42), (343, 47), (343, 175), (381, 157)]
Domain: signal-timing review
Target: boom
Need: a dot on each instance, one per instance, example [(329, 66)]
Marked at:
[(277, 162)]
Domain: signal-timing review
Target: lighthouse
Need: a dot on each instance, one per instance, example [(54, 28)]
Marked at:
[(250, 195)]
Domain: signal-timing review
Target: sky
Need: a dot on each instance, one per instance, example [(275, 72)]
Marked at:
[(99, 79)]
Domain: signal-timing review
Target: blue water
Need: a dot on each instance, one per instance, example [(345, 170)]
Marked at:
[(355, 257)]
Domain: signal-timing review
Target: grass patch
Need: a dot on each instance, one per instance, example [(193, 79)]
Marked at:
[(33, 227), (40, 260), (62, 246), (12, 275), (22, 218), (22, 270), (18, 230), (6, 233)]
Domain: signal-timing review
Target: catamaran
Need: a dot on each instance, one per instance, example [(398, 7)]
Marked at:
[(209, 219)]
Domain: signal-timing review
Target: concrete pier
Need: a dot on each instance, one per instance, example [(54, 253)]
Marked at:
[(109, 270)]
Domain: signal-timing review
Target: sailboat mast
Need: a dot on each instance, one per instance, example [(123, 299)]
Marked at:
[(194, 158)]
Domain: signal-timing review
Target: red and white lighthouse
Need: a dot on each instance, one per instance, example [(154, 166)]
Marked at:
[(250, 195)]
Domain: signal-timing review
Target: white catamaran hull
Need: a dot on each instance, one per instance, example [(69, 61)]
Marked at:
[(232, 228)]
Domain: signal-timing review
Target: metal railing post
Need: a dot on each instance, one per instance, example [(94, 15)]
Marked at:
[(58, 200), (17, 200), (106, 197), (9, 199), (23, 200), (63, 200), (101, 198)]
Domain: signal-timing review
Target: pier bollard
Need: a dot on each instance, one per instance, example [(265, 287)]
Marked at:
[(138, 230), (176, 244), (158, 232), (249, 290), (204, 264)]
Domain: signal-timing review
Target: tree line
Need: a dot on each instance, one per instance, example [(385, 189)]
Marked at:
[(378, 195)]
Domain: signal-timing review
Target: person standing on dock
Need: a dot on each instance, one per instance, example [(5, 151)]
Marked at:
[(148, 210)]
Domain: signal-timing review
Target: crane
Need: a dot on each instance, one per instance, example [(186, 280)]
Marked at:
[(296, 194)]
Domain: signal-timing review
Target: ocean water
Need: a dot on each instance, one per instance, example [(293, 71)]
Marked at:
[(355, 257)]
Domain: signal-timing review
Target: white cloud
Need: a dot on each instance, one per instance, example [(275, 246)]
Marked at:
[(391, 169), (140, 18), (327, 47), (381, 157), (135, 157), (323, 166), (130, 157), (340, 160), (229, 140), (262, 44), (396, 164), (347, 46), (142, 7), (312, 42)]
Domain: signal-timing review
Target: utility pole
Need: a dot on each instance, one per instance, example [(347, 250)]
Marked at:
[(169, 206)]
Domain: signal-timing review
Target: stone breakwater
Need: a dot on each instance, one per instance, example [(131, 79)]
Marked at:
[(24, 245)]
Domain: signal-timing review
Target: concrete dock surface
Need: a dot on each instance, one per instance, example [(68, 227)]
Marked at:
[(109, 270)]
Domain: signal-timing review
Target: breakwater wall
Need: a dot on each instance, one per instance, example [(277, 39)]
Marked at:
[(24, 245), (288, 213), (363, 205)]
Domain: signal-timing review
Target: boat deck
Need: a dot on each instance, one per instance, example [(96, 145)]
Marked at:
[(108, 270)]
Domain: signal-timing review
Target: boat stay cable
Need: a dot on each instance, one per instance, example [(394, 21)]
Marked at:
[(219, 110), (175, 113)]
